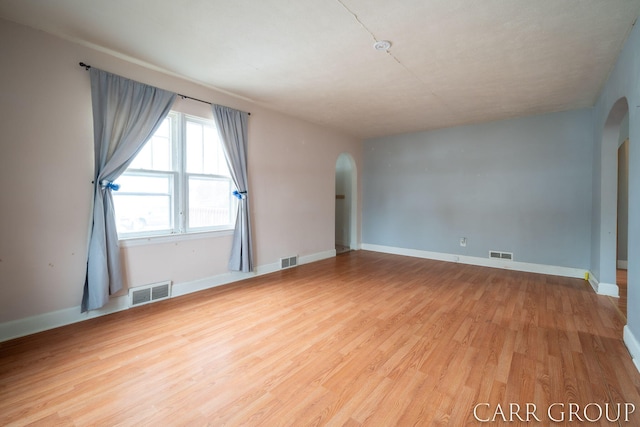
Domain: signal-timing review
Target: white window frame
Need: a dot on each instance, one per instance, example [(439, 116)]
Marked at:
[(179, 181)]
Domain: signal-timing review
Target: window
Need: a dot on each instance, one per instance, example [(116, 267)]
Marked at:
[(178, 183)]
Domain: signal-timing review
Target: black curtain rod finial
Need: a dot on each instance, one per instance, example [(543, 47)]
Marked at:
[(86, 67)]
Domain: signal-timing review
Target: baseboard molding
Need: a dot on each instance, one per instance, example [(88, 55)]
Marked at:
[(180, 289), (185, 288), (306, 259), (42, 322), (483, 262), (608, 289), (593, 282), (54, 319), (632, 345), (622, 265), (602, 288)]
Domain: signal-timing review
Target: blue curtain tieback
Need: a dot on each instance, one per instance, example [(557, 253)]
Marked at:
[(110, 185), (240, 194)]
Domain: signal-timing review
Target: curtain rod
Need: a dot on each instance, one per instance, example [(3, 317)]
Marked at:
[(87, 67)]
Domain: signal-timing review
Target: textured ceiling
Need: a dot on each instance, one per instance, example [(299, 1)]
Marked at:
[(452, 62)]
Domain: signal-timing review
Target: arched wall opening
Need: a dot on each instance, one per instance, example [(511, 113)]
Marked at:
[(346, 208), (622, 246), (611, 141)]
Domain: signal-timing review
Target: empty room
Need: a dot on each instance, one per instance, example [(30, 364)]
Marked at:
[(336, 212)]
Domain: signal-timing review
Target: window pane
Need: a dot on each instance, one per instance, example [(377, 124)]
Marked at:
[(194, 147), (156, 154), (143, 184), (139, 213), (204, 150), (164, 130), (222, 167), (161, 153), (210, 202), (143, 159), (143, 203), (209, 151), (214, 161)]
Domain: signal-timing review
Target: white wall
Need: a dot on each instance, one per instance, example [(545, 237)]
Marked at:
[(46, 168)]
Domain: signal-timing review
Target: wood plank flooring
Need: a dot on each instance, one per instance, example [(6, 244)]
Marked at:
[(621, 302), (359, 339)]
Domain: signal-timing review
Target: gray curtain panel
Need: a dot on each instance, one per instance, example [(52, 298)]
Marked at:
[(125, 115), (232, 127)]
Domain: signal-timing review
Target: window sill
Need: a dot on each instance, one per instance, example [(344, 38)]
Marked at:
[(126, 242)]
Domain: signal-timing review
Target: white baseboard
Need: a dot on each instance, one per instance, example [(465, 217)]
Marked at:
[(54, 319), (185, 288), (42, 322), (231, 277), (484, 262), (622, 265), (602, 288), (608, 289), (306, 259), (632, 345)]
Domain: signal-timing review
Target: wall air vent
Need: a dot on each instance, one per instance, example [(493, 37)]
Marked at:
[(501, 255), (149, 293), (288, 262)]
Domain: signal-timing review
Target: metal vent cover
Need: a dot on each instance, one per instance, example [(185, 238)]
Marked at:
[(149, 293), (289, 262), (160, 292), (501, 255), (140, 296)]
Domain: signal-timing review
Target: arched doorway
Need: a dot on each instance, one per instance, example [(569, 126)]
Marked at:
[(622, 256), (611, 141), (346, 204)]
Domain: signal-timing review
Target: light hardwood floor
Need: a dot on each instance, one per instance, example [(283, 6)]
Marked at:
[(621, 301), (359, 339)]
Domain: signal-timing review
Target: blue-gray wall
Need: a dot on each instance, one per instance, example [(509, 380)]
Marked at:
[(521, 185), (622, 89)]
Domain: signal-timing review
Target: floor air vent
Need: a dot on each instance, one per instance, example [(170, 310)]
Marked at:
[(150, 293), (501, 255), (289, 262)]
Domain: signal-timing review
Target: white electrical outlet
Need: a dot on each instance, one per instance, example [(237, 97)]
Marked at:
[(463, 241)]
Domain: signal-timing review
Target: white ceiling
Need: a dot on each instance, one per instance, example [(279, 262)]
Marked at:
[(452, 62)]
